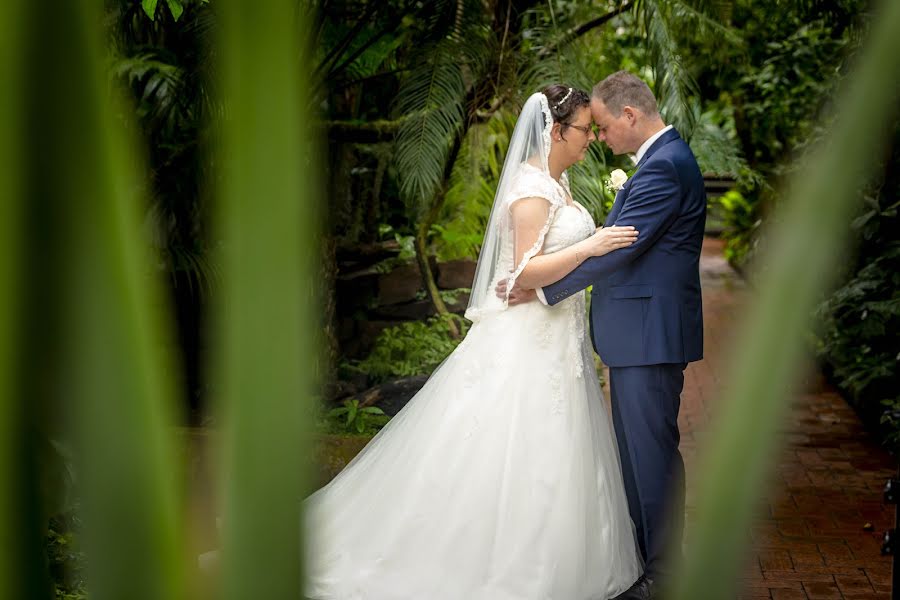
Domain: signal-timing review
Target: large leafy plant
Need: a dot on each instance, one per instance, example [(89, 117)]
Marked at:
[(413, 348), (354, 418)]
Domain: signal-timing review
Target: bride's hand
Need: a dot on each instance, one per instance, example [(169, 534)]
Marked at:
[(607, 239), (516, 296)]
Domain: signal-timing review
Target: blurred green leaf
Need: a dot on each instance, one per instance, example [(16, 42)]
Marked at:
[(264, 316), (120, 387), (808, 240), (150, 7), (176, 8), (11, 226)]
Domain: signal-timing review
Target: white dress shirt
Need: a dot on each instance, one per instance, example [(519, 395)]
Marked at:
[(636, 158), (649, 142)]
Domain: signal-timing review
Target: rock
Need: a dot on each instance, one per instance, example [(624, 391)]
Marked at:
[(409, 311), (462, 302), (332, 452), (392, 396), (366, 332), (419, 310), (400, 285), (354, 292), (456, 274), (346, 328), (346, 388)]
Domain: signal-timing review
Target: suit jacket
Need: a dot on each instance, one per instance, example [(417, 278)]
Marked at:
[(645, 305)]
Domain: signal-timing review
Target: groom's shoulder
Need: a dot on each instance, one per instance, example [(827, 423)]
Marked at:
[(674, 148), (677, 159), (678, 153)]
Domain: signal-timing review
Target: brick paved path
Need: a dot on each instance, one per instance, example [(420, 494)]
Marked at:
[(810, 539)]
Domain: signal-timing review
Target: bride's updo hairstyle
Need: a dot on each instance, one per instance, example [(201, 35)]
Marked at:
[(564, 103)]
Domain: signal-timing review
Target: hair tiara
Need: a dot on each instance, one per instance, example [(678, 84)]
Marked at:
[(561, 102)]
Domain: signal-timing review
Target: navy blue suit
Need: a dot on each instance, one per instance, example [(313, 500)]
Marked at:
[(646, 325)]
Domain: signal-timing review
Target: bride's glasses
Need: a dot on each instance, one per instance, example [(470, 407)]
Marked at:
[(585, 129)]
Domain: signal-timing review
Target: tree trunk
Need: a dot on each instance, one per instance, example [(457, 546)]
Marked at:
[(331, 351), (425, 268), (424, 227)]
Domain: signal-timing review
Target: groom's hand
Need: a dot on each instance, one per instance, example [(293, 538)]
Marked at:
[(517, 295)]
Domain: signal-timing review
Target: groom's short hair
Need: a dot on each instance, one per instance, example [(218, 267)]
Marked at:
[(623, 89)]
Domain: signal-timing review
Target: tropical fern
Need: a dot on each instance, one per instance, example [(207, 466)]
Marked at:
[(158, 84), (587, 179), (473, 183), (718, 153), (675, 88), (664, 23), (434, 97)]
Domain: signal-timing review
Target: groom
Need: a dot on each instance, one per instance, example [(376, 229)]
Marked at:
[(646, 314)]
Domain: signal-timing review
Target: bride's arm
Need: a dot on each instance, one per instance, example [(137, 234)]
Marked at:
[(529, 215)]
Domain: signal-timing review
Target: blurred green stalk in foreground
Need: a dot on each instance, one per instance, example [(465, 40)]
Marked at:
[(82, 320), (10, 227), (85, 330), (112, 324), (265, 363), (804, 249), (118, 389)]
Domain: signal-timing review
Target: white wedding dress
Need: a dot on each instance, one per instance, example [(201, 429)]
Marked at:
[(500, 480)]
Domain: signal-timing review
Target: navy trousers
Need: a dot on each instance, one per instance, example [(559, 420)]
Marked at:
[(645, 402)]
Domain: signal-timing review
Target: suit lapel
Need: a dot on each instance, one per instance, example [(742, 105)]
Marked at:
[(622, 195), (669, 136)]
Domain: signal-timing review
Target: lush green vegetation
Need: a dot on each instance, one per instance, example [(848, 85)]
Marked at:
[(859, 321), (412, 348), (66, 559), (778, 85), (204, 199), (420, 161), (354, 418)]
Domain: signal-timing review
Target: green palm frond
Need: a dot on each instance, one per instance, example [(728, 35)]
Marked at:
[(665, 23), (715, 12), (707, 18), (540, 36), (554, 54), (432, 98), (719, 154), (159, 86), (586, 178), (473, 183), (376, 57), (675, 88), (202, 271)]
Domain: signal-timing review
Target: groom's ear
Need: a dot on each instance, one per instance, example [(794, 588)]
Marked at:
[(630, 114)]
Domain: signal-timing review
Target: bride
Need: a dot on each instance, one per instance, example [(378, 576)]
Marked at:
[(500, 479)]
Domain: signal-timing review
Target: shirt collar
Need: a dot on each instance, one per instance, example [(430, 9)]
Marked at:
[(646, 145)]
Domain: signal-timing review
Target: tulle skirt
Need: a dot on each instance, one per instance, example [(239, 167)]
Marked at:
[(499, 480)]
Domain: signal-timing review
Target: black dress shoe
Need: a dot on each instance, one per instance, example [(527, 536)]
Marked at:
[(643, 589)]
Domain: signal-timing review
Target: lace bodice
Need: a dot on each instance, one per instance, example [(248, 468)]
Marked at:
[(571, 223), (568, 223)]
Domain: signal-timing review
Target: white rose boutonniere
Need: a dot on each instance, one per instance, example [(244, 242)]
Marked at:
[(616, 180)]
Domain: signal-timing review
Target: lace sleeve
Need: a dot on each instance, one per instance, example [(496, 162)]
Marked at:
[(533, 183), (525, 174), (535, 248)]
